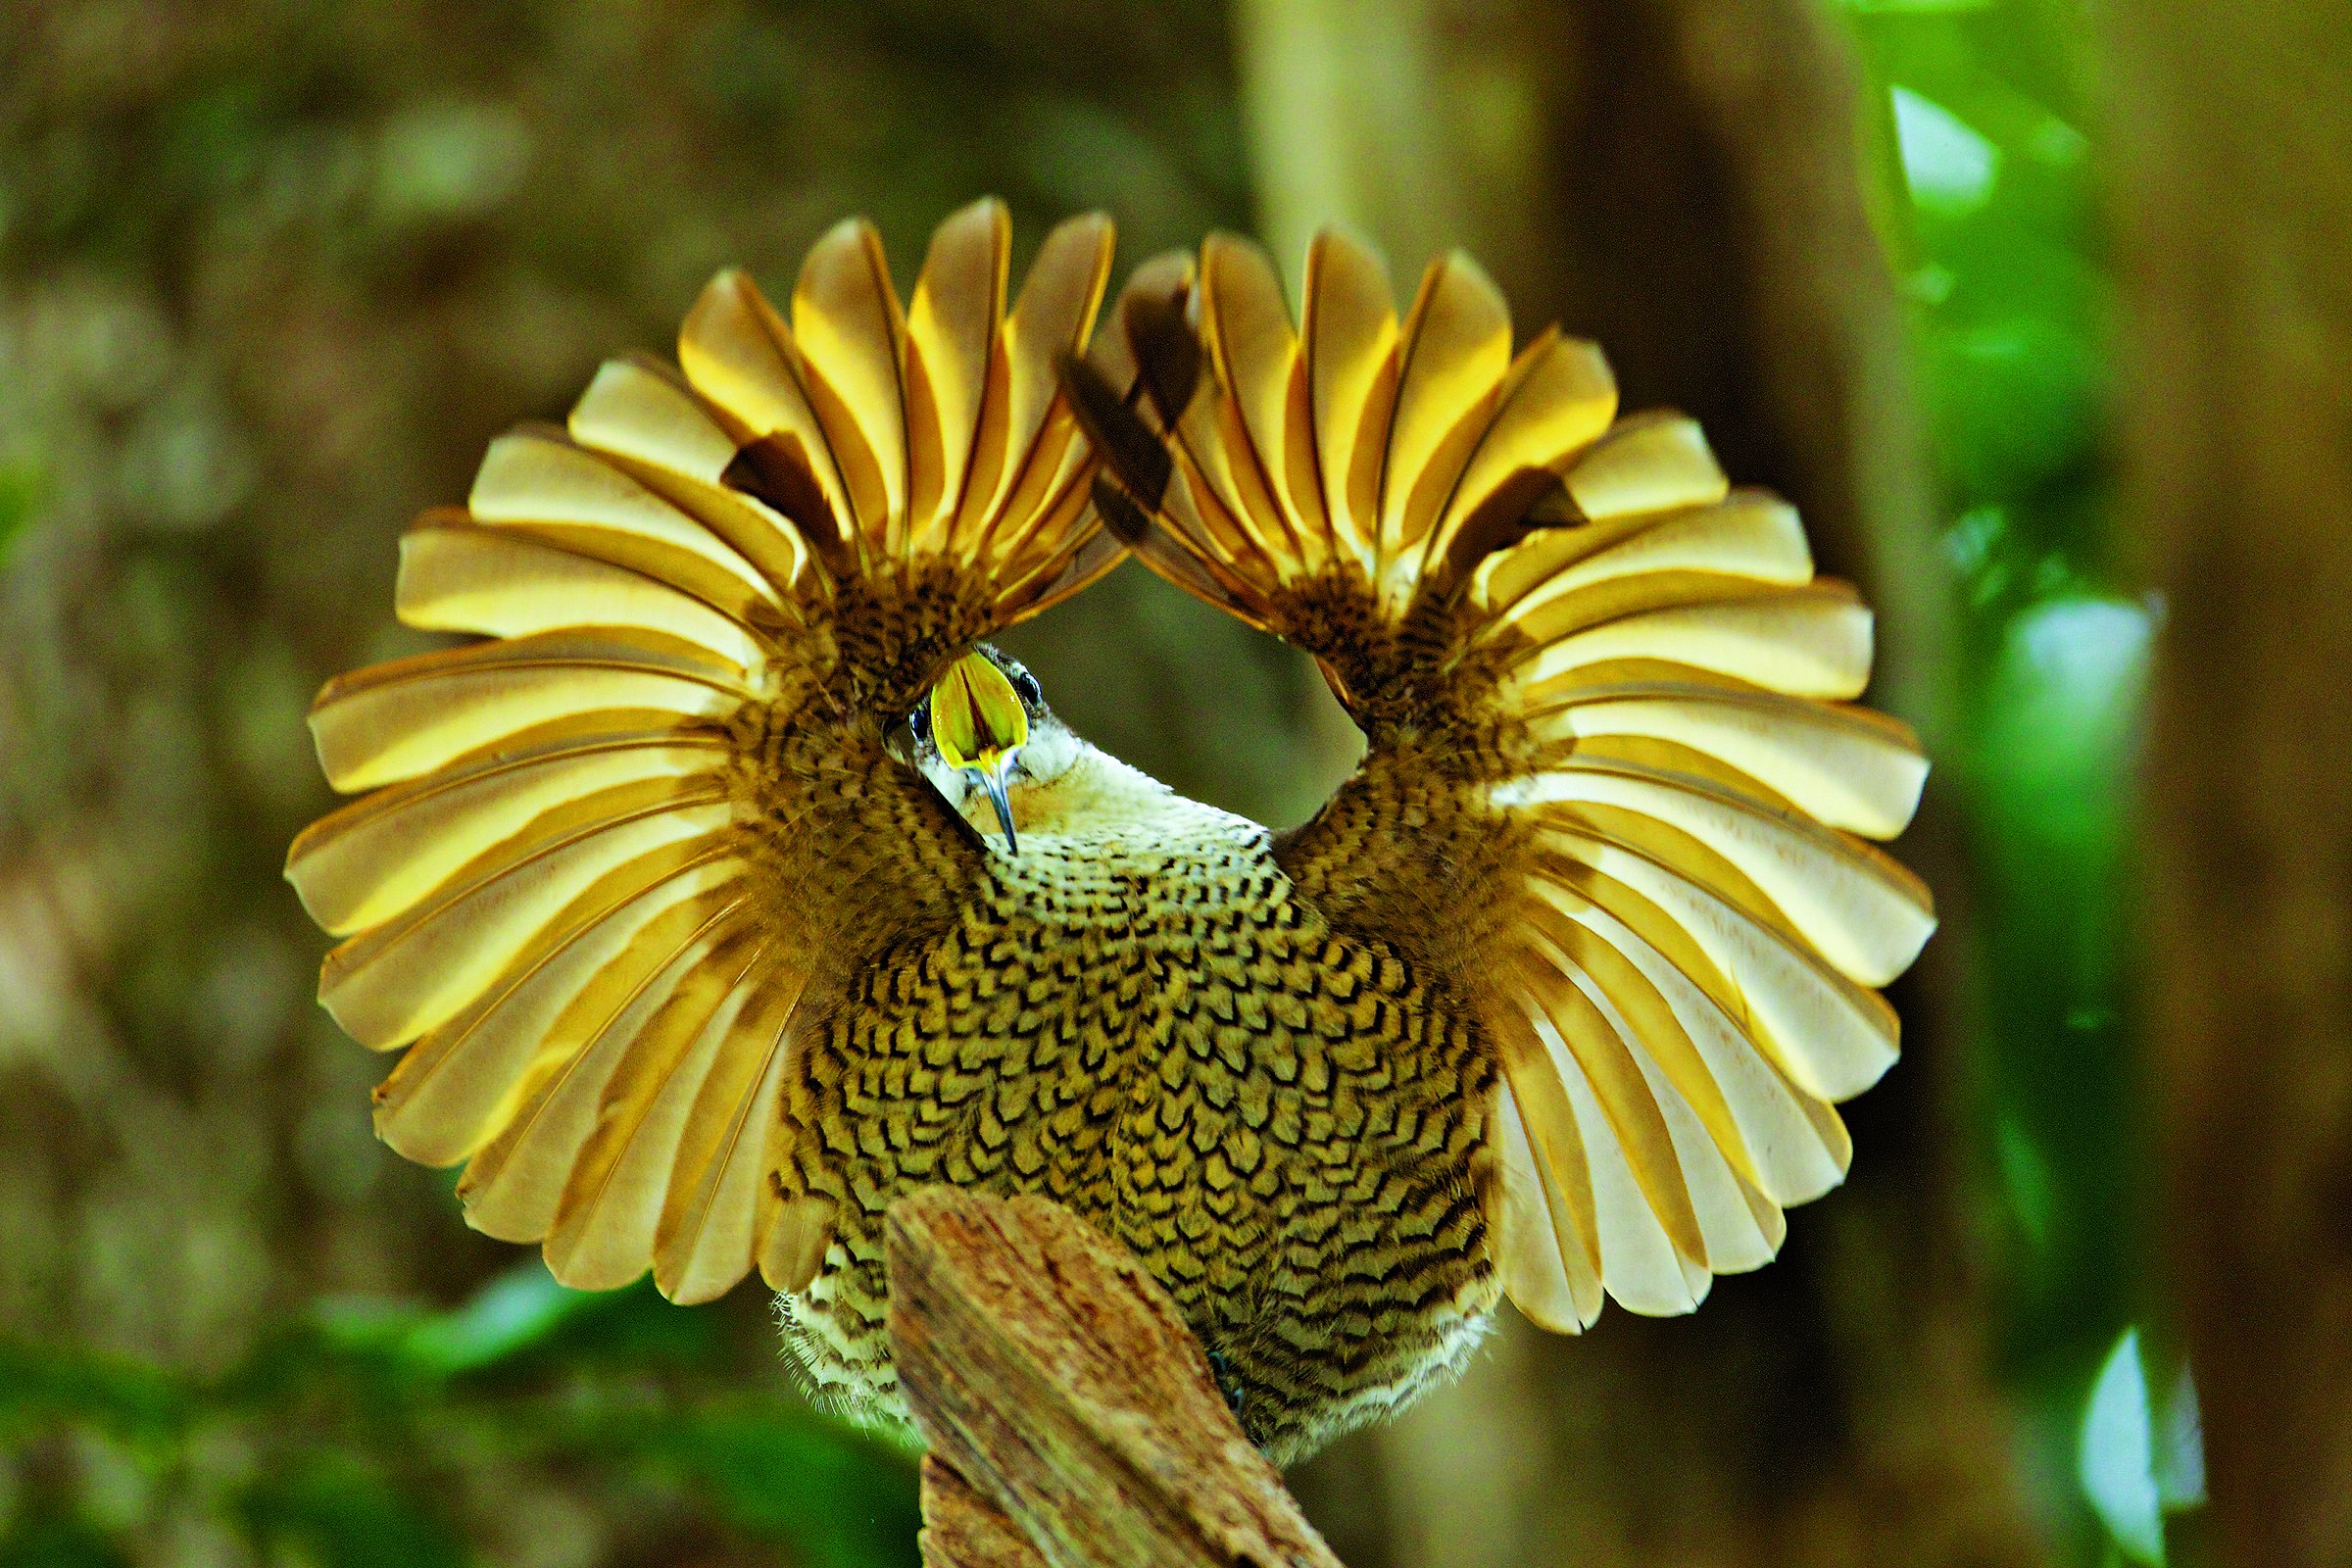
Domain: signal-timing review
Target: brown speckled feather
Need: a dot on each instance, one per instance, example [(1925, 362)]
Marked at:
[(1143, 1020)]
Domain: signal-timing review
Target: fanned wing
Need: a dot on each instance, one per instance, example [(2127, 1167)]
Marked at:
[(1616, 783), (607, 855)]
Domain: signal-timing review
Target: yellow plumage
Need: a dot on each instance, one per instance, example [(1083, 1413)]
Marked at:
[(1609, 686), (554, 871), (697, 962)]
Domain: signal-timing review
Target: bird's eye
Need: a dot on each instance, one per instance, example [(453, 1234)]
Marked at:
[(919, 721), (1031, 695)]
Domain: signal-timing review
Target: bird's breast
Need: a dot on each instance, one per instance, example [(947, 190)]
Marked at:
[(1153, 1027)]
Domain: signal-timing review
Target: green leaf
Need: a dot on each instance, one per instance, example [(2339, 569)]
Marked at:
[(122, 1397), (1948, 163), (2065, 704), (2025, 1177), (337, 1512), (2181, 1448), (20, 487), (515, 1313), (50, 1540), (2015, 402), (836, 1497), (634, 1328), (2115, 1455)]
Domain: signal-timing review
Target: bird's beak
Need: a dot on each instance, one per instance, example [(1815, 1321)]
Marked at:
[(993, 780), (980, 726)]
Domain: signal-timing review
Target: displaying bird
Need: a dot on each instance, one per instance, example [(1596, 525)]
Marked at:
[(736, 887)]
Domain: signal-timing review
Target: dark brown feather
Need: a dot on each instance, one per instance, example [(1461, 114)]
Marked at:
[(1167, 351), (1114, 429), (1127, 521), (776, 470)]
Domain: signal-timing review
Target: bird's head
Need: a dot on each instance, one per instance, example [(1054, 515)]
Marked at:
[(984, 729)]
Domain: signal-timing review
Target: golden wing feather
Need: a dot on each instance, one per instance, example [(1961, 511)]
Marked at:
[(606, 854), (1615, 784)]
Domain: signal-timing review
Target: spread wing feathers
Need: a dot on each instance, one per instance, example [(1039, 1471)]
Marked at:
[(550, 895), (1572, 641)]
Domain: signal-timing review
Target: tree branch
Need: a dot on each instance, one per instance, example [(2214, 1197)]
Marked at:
[(1073, 1417)]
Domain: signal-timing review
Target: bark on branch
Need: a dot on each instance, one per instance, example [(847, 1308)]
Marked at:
[(1073, 1417)]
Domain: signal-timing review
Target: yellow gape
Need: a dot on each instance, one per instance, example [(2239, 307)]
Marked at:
[(979, 725)]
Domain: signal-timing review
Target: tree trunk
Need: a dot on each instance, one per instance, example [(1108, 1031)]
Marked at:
[(2235, 184)]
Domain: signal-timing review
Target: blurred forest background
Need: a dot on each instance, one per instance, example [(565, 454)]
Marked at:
[(2041, 311)]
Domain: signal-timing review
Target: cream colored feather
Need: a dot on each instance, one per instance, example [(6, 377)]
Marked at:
[(1659, 687), (549, 897)]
